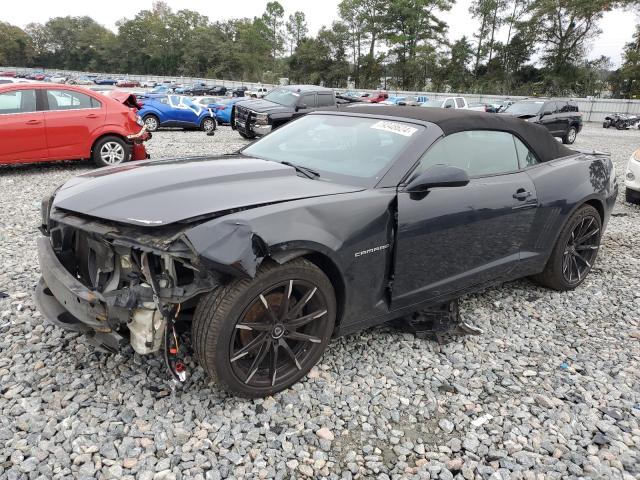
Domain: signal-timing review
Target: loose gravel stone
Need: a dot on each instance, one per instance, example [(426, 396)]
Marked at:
[(550, 390)]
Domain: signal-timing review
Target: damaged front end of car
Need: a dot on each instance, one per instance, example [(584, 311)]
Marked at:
[(119, 283)]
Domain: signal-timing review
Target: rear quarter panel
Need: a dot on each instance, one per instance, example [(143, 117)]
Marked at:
[(562, 186)]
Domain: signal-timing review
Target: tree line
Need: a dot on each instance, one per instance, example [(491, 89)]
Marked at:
[(400, 44)]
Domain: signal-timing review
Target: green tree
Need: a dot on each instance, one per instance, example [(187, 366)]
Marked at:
[(273, 19), (16, 48), (297, 29)]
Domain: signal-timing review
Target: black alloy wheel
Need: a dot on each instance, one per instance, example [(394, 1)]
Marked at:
[(581, 249), (258, 336), (278, 334), (575, 251)]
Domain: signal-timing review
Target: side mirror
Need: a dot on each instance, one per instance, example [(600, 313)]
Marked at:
[(438, 176), (545, 113), (302, 106)]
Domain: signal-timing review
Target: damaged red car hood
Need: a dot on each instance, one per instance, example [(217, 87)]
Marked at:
[(162, 192)]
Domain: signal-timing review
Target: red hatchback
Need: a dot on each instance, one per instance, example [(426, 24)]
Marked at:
[(43, 122)]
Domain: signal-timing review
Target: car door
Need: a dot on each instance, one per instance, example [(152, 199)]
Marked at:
[(71, 118), (550, 117), (22, 137), (306, 103), (454, 238), (449, 103)]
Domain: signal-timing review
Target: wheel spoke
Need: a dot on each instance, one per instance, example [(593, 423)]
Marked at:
[(274, 362), (264, 349), (271, 313), (587, 247), (584, 260), (284, 306), (262, 327), (260, 339), (565, 263), (283, 343), (302, 337), (587, 236), (297, 309), (301, 321), (575, 263)]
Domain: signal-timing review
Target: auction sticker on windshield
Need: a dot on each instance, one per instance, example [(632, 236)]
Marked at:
[(395, 127)]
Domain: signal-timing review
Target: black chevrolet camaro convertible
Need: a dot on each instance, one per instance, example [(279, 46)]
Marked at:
[(335, 222)]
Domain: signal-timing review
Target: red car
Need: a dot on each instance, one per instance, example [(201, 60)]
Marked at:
[(378, 97), (126, 83), (8, 74), (44, 122)]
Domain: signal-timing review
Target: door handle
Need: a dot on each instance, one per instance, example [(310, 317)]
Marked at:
[(92, 115), (33, 122), (521, 194)]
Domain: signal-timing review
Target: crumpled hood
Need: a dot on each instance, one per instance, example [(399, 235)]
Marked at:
[(161, 192), (264, 106)]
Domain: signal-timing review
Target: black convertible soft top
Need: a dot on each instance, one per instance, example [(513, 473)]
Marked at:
[(537, 137)]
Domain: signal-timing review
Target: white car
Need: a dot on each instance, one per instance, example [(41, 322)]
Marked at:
[(632, 178), (58, 79), (450, 102), (258, 92)]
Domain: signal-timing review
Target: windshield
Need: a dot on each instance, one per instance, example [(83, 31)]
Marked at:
[(283, 97), (433, 103), (342, 149), (524, 108)]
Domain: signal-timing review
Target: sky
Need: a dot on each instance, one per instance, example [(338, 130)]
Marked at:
[(617, 27)]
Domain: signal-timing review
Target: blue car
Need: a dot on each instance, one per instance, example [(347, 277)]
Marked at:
[(175, 111), (222, 108)]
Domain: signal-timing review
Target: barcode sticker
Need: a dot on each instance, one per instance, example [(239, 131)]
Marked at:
[(395, 127)]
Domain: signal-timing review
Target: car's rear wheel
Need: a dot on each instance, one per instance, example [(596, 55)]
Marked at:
[(208, 124), (151, 122), (575, 251), (248, 136), (109, 151), (570, 136), (258, 336)]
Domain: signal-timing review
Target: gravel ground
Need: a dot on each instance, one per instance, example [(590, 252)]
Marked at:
[(550, 390)]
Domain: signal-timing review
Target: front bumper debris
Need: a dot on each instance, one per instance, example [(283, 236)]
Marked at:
[(68, 304)]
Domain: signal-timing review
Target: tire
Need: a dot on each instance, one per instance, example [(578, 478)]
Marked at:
[(564, 271), (570, 136), (111, 150), (151, 122), (632, 196), (208, 124), (248, 136), (228, 352), (606, 124), (620, 126)]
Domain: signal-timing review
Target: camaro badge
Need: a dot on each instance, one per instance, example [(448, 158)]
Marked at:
[(371, 250)]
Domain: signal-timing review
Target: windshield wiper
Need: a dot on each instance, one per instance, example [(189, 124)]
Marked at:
[(307, 172)]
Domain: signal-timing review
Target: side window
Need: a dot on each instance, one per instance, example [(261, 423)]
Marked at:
[(526, 157), (479, 152), (68, 100), (308, 99), (449, 103), (325, 100), (550, 107), (460, 102), (565, 107), (18, 101)]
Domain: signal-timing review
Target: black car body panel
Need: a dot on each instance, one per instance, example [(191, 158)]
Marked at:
[(387, 251)]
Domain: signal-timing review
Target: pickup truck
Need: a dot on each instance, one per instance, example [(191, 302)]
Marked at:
[(258, 92), (256, 117), (451, 102), (560, 117)]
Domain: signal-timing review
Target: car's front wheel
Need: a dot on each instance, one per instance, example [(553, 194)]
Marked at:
[(208, 124), (151, 122), (111, 151), (575, 251), (570, 136), (258, 336)]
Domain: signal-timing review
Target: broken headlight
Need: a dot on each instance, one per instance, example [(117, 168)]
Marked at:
[(262, 119)]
